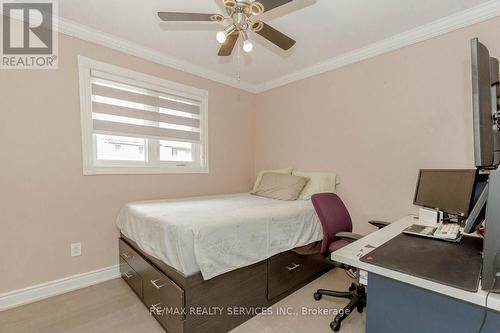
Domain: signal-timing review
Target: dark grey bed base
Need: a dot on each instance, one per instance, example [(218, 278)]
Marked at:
[(188, 304)]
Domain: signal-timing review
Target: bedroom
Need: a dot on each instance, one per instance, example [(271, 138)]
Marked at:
[(369, 94)]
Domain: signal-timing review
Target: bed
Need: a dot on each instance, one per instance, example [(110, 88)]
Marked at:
[(185, 257)]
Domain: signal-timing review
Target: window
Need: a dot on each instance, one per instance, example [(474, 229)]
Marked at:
[(135, 123)]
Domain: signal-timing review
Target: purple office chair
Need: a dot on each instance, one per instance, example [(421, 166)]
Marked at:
[(337, 233)]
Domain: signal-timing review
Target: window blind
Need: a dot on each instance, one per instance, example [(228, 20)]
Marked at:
[(122, 109)]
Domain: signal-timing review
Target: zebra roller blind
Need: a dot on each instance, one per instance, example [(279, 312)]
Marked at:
[(128, 110)]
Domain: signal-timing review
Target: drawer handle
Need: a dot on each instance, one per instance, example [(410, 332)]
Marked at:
[(153, 282), (155, 309), (128, 275), (292, 267), (127, 255)]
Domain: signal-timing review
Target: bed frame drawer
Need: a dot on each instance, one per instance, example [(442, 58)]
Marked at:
[(132, 258), (164, 299), (288, 270), (256, 286), (130, 276)]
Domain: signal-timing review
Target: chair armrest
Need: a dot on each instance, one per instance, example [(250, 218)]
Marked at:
[(349, 236), (379, 224)]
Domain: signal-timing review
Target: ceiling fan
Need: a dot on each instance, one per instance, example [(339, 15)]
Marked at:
[(241, 15)]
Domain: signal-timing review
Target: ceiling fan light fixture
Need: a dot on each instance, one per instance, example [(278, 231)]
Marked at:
[(247, 46), (242, 17), (247, 43), (222, 35)]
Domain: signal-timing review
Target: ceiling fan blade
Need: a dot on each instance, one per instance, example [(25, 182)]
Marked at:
[(228, 46), (276, 37), (187, 17), (271, 4)]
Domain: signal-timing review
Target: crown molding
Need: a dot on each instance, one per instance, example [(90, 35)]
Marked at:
[(77, 30), (437, 28), (83, 32), (440, 27)]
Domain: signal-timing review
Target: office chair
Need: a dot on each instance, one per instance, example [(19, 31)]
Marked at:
[(337, 233)]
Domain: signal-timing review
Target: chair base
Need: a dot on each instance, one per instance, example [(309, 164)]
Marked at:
[(357, 295)]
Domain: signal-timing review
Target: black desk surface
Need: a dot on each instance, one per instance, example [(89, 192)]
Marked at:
[(454, 264)]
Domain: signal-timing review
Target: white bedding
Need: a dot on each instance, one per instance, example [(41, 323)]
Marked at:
[(219, 234)]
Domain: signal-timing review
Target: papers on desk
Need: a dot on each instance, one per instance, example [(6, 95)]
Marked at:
[(363, 277), (428, 217)]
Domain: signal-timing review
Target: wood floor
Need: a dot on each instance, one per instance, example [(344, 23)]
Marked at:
[(113, 307)]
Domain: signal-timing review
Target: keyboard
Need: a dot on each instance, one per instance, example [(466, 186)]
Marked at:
[(447, 231)]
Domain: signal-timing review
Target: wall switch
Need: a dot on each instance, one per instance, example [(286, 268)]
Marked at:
[(76, 249)]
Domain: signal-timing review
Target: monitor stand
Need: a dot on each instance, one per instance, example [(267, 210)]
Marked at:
[(476, 216)]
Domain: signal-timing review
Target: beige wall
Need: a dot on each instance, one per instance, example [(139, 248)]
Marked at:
[(377, 122), (46, 203)]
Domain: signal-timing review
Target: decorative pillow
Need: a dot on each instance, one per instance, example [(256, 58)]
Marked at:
[(279, 186), (287, 171), (319, 182)]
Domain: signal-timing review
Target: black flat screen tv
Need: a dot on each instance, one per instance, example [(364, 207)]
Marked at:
[(485, 97)]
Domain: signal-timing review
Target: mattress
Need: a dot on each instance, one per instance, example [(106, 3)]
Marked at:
[(218, 234)]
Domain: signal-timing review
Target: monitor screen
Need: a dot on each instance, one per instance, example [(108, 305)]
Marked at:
[(450, 191), (486, 103)]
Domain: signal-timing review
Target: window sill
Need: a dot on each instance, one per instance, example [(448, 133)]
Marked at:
[(113, 170)]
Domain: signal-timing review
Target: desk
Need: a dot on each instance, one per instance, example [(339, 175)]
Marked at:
[(400, 302)]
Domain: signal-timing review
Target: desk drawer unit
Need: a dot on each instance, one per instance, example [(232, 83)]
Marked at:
[(132, 278), (288, 270)]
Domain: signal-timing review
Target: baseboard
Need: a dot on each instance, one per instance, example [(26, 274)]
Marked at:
[(45, 290)]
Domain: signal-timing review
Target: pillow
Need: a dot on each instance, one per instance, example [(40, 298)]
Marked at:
[(287, 171), (280, 186), (319, 182)]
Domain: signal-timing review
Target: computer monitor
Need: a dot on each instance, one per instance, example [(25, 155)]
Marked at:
[(486, 106), (450, 191)]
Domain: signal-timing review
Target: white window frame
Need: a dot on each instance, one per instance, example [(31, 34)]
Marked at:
[(93, 167)]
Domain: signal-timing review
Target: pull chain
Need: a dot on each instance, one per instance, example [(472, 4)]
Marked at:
[(238, 62)]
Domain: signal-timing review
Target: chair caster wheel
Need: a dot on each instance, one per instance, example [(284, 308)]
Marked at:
[(335, 326), (360, 309), (317, 296)]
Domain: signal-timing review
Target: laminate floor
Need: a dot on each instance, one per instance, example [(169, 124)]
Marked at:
[(113, 307)]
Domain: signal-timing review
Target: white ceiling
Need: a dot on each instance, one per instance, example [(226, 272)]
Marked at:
[(323, 29)]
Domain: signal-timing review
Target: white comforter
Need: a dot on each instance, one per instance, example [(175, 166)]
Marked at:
[(219, 234)]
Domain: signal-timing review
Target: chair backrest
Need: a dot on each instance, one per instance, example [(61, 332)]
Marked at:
[(333, 215)]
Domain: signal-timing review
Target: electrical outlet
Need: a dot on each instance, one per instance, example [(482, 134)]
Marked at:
[(76, 249)]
